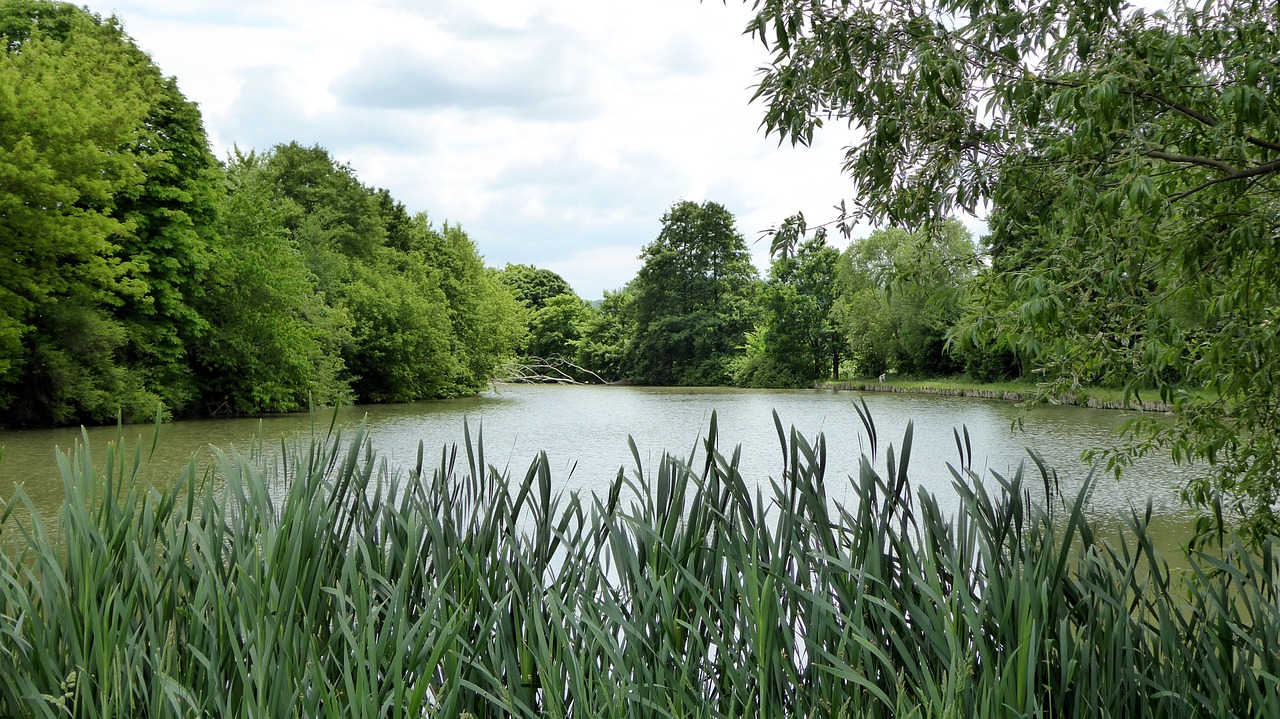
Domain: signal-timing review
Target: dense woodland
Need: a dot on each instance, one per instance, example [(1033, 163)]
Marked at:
[(1130, 162), (698, 313)]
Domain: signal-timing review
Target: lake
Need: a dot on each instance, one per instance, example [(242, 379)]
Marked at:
[(584, 431)]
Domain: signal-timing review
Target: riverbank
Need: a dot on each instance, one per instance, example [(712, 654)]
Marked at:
[(1093, 397)]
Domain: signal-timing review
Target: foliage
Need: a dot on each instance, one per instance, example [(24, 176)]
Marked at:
[(1132, 163), (485, 318), (555, 316), (108, 190), (605, 335), (759, 367), (986, 352), (533, 286), (352, 589), (556, 328), (427, 318), (800, 340), (136, 272), (273, 344), (693, 298), (900, 294)]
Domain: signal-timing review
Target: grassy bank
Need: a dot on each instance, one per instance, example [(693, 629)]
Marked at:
[(1012, 391), (327, 585)]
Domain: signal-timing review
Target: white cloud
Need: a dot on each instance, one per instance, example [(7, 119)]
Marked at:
[(556, 132)]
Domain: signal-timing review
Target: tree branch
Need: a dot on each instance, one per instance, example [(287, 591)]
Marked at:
[(551, 370), (1205, 119), (1273, 166), (1194, 160)]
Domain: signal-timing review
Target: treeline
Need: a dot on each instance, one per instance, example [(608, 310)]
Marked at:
[(137, 271), (698, 313)]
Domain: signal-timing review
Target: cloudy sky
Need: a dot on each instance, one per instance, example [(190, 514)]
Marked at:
[(556, 132)]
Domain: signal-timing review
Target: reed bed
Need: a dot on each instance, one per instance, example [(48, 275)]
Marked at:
[(324, 584)]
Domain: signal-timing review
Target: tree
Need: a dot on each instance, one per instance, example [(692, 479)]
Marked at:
[(273, 343), (799, 341), (1132, 161), (106, 190), (553, 313), (427, 318), (692, 298), (899, 295), (606, 333), (556, 328), (484, 316), (533, 286)]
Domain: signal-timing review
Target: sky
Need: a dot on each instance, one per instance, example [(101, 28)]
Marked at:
[(555, 132)]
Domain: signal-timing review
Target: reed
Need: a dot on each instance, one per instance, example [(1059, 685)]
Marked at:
[(323, 583)]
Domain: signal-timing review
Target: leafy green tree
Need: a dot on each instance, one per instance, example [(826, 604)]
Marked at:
[(107, 194), (556, 328), (900, 293), (485, 318), (553, 312), (136, 273), (402, 333), (693, 298), (273, 343), (335, 220), (428, 319), (533, 286), (606, 332), (800, 340), (173, 218), (1133, 160)]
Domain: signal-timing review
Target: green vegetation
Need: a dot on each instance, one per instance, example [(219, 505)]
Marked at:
[(696, 314), (692, 298), (1131, 163), (105, 204), (556, 318), (900, 294), (799, 340), (318, 582), (136, 271)]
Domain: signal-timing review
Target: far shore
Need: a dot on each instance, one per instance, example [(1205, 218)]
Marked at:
[(1094, 397)]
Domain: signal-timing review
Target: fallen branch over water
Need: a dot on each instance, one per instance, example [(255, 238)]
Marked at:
[(551, 370)]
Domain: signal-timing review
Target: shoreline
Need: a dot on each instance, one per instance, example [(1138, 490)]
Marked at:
[(977, 392)]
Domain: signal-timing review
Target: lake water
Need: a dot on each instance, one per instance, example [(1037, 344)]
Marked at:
[(584, 431)]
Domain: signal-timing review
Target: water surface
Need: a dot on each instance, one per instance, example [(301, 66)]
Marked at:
[(584, 431)]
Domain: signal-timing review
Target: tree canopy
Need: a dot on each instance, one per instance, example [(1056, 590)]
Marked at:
[(799, 340), (692, 298), (1131, 164), (138, 273), (899, 295), (533, 286), (107, 190)]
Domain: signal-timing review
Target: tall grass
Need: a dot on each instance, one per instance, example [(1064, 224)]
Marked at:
[(324, 584)]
